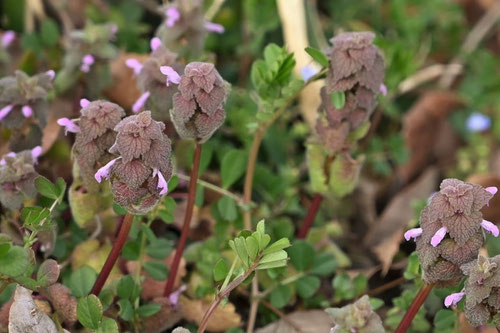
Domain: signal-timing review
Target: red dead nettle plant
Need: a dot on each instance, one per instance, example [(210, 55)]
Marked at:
[(353, 81), (450, 235), (197, 113)]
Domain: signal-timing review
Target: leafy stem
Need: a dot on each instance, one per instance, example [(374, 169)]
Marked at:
[(32, 238), (414, 307)]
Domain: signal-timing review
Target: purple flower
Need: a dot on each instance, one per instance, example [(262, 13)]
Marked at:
[(453, 299), (214, 27), (162, 183), (27, 111), (155, 43), (174, 297), (383, 89), (134, 64), (308, 72), (492, 189), (139, 104), (5, 111), (51, 74), (87, 61), (84, 103), (11, 154), (490, 227), (35, 153), (438, 236), (172, 75), (69, 125), (7, 38), (478, 122), (104, 171), (413, 233), (173, 15)]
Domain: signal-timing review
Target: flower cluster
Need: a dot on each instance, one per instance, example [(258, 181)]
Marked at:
[(17, 177), (155, 78), (197, 107), (94, 135), (139, 175), (451, 230), (23, 107), (357, 317), (482, 291), (356, 71)]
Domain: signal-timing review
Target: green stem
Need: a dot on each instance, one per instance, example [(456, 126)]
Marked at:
[(289, 280), (32, 238)]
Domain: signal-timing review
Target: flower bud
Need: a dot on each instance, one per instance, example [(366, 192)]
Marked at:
[(356, 317)]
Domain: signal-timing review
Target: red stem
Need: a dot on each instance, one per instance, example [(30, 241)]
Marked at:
[(412, 311), (311, 214), (187, 220), (114, 254)]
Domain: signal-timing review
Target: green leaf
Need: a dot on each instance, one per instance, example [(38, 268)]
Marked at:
[(376, 303), (125, 287), (252, 247), (82, 280), (302, 255), (15, 262), (343, 287), (272, 264), (172, 184), (48, 273), (280, 296), (148, 310), (156, 269), (220, 270), (49, 32), (318, 56), (413, 268), (159, 249), (277, 246), (166, 216), (27, 282), (119, 210), (360, 283), (89, 311), (46, 188), (307, 286), (131, 250), (274, 256), (126, 309), (170, 204), (227, 208), (261, 227), (444, 319), (233, 166), (338, 99), (32, 216), (241, 249), (4, 248), (108, 325), (324, 264)]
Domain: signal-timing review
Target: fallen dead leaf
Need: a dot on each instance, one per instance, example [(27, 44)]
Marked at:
[(222, 319), (314, 321), (384, 237), (25, 316)]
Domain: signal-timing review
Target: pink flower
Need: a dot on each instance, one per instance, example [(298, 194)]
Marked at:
[(492, 189), (27, 111), (35, 153), (174, 297), (5, 111), (104, 171), (438, 236), (87, 61), (11, 154), (141, 101), (383, 89), (413, 233), (51, 74), (453, 299), (7, 38), (172, 75), (155, 43), (134, 64), (84, 103), (162, 183), (69, 125), (490, 227), (214, 27), (173, 16)]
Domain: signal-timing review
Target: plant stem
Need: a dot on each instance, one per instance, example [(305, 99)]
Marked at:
[(415, 305), (310, 216), (114, 254), (187, 220), (387, 286), (247, 188), (238, 199)]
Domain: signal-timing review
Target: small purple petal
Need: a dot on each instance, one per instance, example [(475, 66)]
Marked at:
[(172, 75), (134, 64), (11, 154), (113, 29), (69, 125), (5, 111), (88, 59), (383, 89), (492, 189), (490, 227), (308, 72), (35, 153), (104, 171), (51, 74), (139, 104), (438, 236), (478, 122), (84, 103), (413, 233), (27, 111), (162, 183), (7, 38), (214, 27), (173, 15), (174, 297), (453, 299), (155, 43)]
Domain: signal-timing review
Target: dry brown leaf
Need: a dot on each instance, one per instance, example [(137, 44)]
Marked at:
[(491, 212), (222, 319), (384, 236), (314, 321), (422, 129)]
